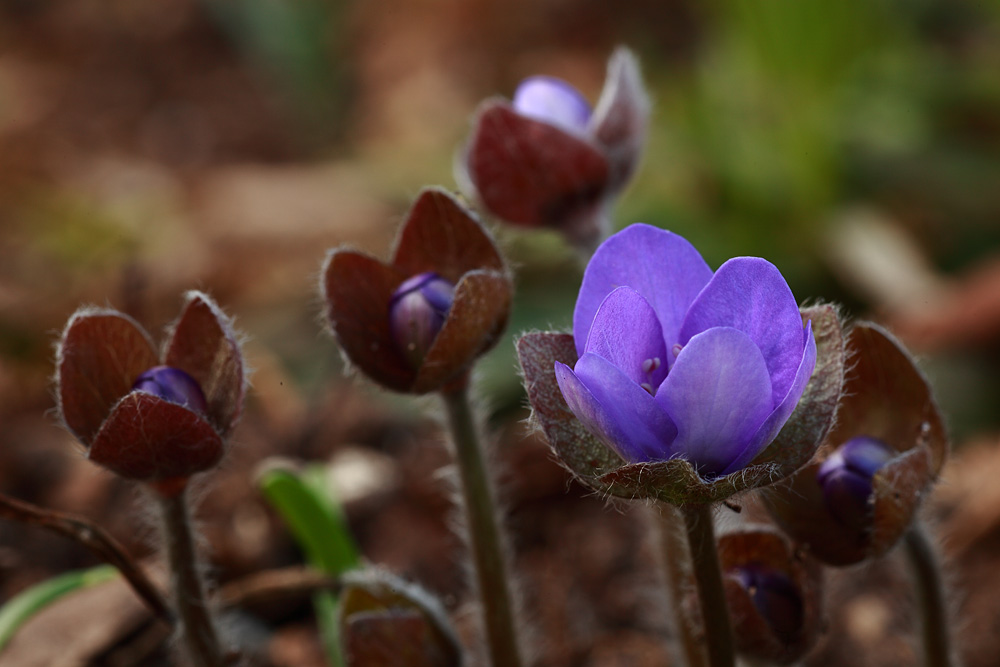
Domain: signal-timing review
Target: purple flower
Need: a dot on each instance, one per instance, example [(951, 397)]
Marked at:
[(677, 362)]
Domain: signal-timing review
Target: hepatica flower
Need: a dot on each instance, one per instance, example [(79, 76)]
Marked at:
[(678, 362), (859, 495), (672, 363), (545, 159), (144, 415), (417, 323)]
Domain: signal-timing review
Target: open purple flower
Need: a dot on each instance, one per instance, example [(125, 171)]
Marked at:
[(675, 362)]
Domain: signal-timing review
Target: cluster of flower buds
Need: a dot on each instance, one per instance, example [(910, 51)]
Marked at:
[(144, 416), (546, 160), (417, 323), (887, 447)]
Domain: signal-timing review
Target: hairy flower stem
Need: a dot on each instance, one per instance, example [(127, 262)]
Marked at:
[(484, 531), (197, 627), (708, 578), (930, 595), (677, 567)]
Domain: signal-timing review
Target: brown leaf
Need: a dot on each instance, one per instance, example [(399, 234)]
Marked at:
[(441, 235), (204, 346), (101, 354), (148, 438)]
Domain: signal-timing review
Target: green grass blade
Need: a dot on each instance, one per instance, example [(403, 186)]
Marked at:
[(305, 501), (27, 603)]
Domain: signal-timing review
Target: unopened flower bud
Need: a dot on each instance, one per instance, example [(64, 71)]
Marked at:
[(774, 594), (417, 312), (846, 480), (776, 598), (174, 385), (553, 101)]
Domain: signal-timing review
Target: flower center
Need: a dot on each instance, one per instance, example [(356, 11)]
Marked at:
[(649, 366)]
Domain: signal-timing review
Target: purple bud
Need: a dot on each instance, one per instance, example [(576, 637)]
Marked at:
[(775, 596), (846, 480), (417, 312), (174, 385), (553, 101)]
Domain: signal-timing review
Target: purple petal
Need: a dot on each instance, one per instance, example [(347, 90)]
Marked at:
[(661, 266), (750, 294), (615, 409), (768, 431), (553, 101), (717, 393), (626, 332)]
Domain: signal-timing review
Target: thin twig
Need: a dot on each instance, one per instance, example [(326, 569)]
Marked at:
[(94, 538), (272, 585)]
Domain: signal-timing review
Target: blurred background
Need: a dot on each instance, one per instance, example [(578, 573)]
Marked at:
[(151, 148)]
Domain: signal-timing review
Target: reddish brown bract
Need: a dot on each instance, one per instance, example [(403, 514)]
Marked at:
[(885, 397), (439, 235)]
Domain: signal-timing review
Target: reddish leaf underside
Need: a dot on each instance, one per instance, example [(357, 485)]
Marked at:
[(531, 173), (148, 438), (440, 235), (204, 345), (100, 356)]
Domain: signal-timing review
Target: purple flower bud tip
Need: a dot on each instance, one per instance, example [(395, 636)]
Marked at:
[(417, 312), (174, 385), (553, 101), (846, 480), (776, 597)]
